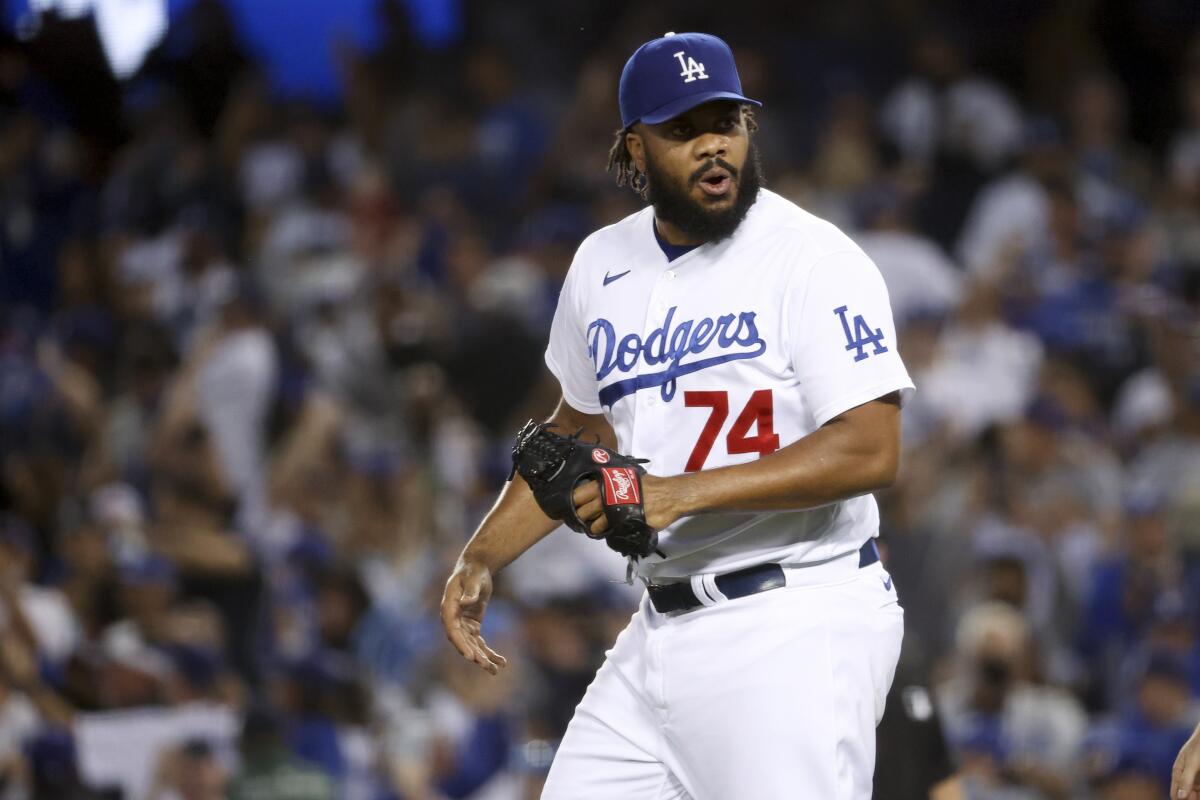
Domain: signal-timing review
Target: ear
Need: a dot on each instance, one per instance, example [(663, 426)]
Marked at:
[(637, 149)]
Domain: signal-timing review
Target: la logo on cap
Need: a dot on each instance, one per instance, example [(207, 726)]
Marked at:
[(691, 69)]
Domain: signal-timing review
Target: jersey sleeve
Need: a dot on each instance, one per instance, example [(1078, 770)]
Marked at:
[(843, 340), (567, 352)]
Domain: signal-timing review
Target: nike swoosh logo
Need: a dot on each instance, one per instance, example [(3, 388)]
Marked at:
[(888, 583), (610, 278)]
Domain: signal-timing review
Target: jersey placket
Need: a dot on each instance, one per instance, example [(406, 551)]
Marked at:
[(650, 400)]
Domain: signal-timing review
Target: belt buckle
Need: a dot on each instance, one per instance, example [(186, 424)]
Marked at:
[(663, 591)]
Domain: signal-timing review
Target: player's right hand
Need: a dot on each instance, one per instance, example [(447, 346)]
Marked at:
[(463, 603), (1185, 777)]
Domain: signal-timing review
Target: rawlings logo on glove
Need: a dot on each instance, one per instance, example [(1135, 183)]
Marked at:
[(620, 486), (554, 465)]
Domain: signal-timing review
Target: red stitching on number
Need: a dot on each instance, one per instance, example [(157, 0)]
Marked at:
[(719, 403), (759, 413)]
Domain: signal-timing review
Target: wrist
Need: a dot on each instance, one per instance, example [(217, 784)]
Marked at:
[(674, 497), (476, 559), (677, 497)]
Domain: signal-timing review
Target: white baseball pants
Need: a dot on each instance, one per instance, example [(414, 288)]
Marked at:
[(774, 696)]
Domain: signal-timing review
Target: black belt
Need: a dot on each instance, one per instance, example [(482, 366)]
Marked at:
[(668, 597)]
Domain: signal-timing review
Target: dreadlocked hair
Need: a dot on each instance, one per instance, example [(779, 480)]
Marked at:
[(627, 173)]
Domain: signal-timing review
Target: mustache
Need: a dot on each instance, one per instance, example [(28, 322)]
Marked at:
[(695, 177)]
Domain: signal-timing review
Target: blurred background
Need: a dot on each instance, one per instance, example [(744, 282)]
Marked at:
[(275, 280)]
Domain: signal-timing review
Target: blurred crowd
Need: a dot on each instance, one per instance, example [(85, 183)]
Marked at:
[(261, 362)]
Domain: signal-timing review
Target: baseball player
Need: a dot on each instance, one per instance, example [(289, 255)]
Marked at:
[(746, 349)]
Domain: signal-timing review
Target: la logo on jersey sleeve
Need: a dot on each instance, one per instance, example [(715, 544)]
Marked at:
[(862, 336)]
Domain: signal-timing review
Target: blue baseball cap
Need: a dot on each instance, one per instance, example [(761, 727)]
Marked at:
[(667, 76)]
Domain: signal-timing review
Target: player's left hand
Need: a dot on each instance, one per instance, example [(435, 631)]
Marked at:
[(1185, 777), (657, 499), (464, 602)]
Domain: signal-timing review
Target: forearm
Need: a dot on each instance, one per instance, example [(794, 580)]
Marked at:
[(847, 457), (514, 524)]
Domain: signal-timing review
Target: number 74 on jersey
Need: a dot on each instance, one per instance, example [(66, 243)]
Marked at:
[(757, 415)]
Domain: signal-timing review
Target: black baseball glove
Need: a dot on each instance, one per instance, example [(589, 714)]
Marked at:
[(554, 465)]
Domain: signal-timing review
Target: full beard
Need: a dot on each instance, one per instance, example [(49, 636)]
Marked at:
[(674, 203)]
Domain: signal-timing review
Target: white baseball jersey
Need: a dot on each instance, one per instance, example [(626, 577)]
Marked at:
[(729, 352)]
